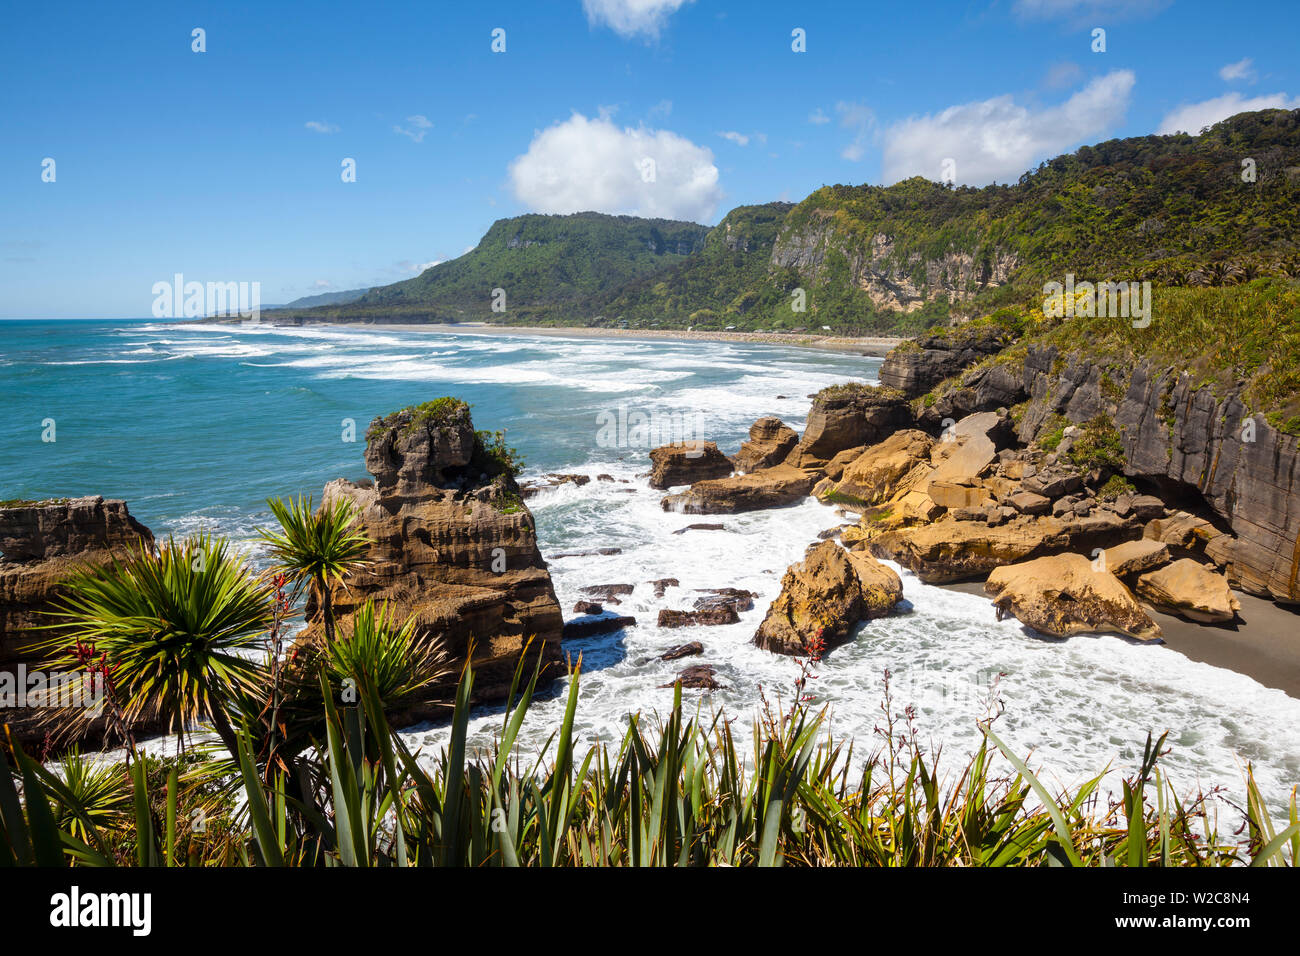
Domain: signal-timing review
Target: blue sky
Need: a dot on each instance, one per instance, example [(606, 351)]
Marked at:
[(225, 165)]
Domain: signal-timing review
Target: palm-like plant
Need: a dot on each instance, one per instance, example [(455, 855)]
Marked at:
[(98, 794), (170, 627), (317, 547)]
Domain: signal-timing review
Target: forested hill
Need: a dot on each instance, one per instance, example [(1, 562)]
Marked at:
[(1181, 210)]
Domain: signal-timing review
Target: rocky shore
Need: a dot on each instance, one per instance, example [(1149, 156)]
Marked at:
[(1082, 505), (1079, 497)]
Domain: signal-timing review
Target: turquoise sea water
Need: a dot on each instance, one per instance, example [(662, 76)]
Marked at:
[(196, 425)]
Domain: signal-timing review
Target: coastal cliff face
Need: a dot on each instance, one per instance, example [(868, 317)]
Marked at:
[(892, 277), (42, 545), (454, 545), (1193, 442)]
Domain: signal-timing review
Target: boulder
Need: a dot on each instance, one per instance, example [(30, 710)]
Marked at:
[(950, 495), (682, 650), (663, 584), (609, 593), (454, 546), (848, 416), (1065, 594), (591, 626), (769, 488), (1191, 590), (770, 440), (1184, 533), (950, 550), (715, 615), (737, 598), (1147, 507), (697, 677), (1135, 557), (883, 470), (1028, 503), (683, 463), (967, 448), (826, 595)]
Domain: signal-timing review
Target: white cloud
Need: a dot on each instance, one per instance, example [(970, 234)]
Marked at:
[(998, 139), (862, 120), (1241, 70), (321, 127), (629, 18), (1193, 117), (586, 164), (740, 139), (662, 108), (1078, 10), (322, 285), (419, 126), (818, 118)]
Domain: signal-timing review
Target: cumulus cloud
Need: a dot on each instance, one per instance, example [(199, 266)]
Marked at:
[(740, 139), (586, 164), (320, 127), (998, 139), (630, 18), (818, 118), (417, 127), (1241, 70), (1194, 117)]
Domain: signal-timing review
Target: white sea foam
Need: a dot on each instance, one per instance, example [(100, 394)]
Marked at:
[(1077, 704)]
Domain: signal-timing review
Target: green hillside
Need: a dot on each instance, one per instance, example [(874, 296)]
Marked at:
[(1175, 210), (552, 270)]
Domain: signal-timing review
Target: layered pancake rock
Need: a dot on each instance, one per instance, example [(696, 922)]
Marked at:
[(454, 545), (42, 545)]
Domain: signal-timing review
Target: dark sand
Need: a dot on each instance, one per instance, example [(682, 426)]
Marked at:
[(1263, 643)]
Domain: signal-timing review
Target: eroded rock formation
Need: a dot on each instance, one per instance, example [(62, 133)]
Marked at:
[(453, 544), (42, 545), (826, 595)]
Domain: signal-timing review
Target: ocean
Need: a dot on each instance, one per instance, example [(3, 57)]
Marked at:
[(195, 426)]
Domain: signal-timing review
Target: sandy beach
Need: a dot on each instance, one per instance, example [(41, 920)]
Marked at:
[(876, 347), (1263, 643)]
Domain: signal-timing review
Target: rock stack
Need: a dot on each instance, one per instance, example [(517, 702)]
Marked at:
[(454, 545)]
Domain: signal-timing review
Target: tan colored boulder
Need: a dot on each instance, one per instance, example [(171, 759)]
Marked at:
[(885, 469), (1028, 503), (834, 469), (1136, 557), (685, 462), (770, 440), (1191, 590), (950, 495), (827, 595), (950, 550), (966, 449), (1065, 594), (1182, 531), (769, 488)]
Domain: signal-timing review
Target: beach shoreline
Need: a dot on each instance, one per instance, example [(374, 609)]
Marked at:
[(873, 347), (1260, 644)]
